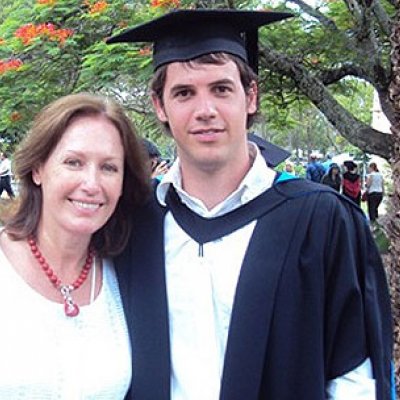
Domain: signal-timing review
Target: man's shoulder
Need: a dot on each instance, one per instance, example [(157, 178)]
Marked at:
[(300, 185), (300, 188)]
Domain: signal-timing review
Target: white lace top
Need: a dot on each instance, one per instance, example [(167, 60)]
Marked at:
[(48, 356)]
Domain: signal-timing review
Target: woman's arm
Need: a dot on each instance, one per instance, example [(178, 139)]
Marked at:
[(368, 181)]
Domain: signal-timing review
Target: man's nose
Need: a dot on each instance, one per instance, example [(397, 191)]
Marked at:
[(205, 107)]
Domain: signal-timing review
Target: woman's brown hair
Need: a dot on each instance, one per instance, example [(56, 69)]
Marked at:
[(47, 130)]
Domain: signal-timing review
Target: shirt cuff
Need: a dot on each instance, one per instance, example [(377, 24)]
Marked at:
[(357, 384)]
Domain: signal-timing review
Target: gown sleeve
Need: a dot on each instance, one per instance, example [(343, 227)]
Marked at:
[(357, 308)]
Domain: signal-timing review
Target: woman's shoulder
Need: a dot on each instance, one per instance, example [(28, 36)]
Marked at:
[(375, 175), (13, 250)]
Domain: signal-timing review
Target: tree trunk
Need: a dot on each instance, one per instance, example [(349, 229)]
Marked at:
[(393, 227)]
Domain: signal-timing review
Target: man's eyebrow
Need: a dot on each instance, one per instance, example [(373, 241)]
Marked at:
[(187, 86), (225, 81), (180, 86)]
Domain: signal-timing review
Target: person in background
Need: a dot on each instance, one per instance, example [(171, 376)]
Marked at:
[(63, 333), (231, 288), (5, 175), (351, 183), (289, 167), (159, 167), (327, 163), (332, 177), (375, 190), (315, 171)]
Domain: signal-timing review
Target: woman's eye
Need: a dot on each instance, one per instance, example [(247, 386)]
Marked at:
[(110, 168), (73, 162)]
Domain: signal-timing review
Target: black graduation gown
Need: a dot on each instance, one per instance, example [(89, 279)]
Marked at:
[(311, 301)]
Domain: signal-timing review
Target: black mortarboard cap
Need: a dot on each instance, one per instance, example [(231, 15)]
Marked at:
[(183, 35), (350, 164), (272, 153)]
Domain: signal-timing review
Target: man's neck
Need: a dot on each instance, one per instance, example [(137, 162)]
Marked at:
[(213, 186)]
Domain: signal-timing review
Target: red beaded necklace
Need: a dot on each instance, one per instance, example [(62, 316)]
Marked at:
[(71, 309)]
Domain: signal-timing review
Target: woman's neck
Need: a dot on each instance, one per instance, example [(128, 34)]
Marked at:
[(65, 253)]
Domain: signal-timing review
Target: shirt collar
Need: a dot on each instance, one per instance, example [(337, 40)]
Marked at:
[(257, 180)]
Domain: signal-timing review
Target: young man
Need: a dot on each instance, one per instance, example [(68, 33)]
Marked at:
[(240, 283), (315, 170)]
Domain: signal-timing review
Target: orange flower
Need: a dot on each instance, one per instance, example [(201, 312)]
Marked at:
[(46, 2), (26, 33), (15, 116), (164, 3), (2, 41), (64, 34), (98, 7), (10, 65), (48, 30)]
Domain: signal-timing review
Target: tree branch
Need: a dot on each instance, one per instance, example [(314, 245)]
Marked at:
[(327, 77), (382, 17), (328, 23), (354, 130)]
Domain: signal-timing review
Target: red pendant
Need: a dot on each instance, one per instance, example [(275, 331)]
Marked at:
[(71, 309)]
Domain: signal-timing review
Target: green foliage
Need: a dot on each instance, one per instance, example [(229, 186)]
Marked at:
[(356, 96), (381, 239), (83, 62)]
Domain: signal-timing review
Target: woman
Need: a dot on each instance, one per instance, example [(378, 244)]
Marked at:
[(375, 189), (332, 178), (352, 182), (63, 334)]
